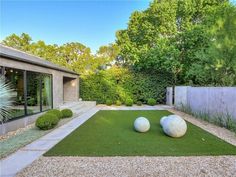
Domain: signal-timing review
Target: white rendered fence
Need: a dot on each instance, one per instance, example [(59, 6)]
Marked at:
[(211, 100)]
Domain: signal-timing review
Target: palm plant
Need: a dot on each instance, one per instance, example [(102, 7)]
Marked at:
[(6, 99)]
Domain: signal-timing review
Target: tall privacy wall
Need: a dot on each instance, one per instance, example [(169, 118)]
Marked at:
[(212, 100)]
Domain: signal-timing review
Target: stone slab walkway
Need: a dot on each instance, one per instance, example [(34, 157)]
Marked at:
[(17, 161)]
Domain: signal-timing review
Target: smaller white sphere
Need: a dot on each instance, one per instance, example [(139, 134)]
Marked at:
[(162, 120), (141, 124)]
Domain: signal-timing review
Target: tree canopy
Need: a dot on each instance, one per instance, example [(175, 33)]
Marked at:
[(192, 40)]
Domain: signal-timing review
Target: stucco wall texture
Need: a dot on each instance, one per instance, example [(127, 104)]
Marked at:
[(212, 100)]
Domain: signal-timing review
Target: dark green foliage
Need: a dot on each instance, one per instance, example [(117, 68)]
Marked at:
[(122, 83), (55, 112), (47, 121), (111, 133), (139, 103), (109, 102), (151, 102), (118, 103), (66, 113), (129, 102)]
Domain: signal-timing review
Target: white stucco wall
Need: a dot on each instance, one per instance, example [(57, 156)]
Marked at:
[(213, 100)]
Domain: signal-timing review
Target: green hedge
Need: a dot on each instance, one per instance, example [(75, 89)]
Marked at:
[(151, 102), (66, 113), (122, 84), (46, 121), (55, 112)]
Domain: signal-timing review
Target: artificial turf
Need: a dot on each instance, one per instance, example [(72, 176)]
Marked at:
[(111, 133)]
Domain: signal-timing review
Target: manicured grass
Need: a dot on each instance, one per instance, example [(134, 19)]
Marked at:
[(110, 133)]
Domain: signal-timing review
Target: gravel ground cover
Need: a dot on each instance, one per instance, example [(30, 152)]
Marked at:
[(214, 166), (15, 140), (110, 133)]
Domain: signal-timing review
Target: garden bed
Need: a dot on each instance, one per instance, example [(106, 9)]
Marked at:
[(14, 141)]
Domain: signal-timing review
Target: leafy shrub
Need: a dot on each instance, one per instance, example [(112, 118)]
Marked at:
[(55, 112), (151, 102), (118, 103), (46, 121), (109, 102), (139, 103), (66, 113), (121, 83), (129, 102)]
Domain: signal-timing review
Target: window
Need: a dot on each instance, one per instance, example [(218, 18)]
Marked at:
[(16, 78), (1, 70), (46, 92), (32, 91)]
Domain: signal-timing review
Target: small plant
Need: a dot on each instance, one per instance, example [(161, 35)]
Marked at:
[(6, 99), (139, 103), (66, 113), (109, 102), (118, 103), (46, 121), (129, 102), (230, 123), (56, 112), (151, 102)]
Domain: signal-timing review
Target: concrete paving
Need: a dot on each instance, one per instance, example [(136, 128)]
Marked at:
[(17, 161), (26, 155)]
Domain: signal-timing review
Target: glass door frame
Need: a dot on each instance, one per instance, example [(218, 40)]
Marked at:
[(25, 92)]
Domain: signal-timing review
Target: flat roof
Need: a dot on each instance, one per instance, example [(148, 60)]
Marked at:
[(21, 56)]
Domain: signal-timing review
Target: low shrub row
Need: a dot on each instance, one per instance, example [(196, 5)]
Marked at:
[(130, 102), (51, 118)]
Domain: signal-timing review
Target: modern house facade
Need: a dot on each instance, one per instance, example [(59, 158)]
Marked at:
[(38, 84)]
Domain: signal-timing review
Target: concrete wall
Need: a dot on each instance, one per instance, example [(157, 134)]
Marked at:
[(181, 95), (18, 123), (213, 100), (57, 78), (70, 87), (169, 96)]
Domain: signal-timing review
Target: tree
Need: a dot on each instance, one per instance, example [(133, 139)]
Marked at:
[(21, 42), (108, 55), (222, 52), (74, 55)]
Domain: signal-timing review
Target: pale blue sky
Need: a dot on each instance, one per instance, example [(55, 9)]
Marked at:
[(92, 22)]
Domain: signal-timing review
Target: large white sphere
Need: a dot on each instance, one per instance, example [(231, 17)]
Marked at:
[(141, 124), (162, 120), (174, 126)]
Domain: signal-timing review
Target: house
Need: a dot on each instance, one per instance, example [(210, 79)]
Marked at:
[(39, 85)]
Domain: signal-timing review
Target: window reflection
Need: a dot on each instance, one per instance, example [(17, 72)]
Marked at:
[(33, 92), (38, 91), (16, 78), (46, 92)]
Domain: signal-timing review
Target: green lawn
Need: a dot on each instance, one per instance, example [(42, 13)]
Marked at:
[(110, 133)]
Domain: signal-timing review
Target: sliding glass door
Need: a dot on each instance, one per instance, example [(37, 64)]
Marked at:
[(46, 92), (16, 78), (33, 81), (32, 91)]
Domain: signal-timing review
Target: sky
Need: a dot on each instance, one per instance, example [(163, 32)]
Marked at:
[(92, 22)]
